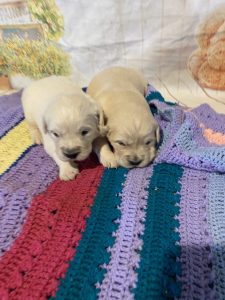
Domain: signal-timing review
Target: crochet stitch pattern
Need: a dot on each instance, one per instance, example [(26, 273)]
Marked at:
[(52, 230), (28, 178), (216, 212), (93, 251), (121, 275), (147, 233), (158, 266), (11, 112), (13, 145), (195, 239)]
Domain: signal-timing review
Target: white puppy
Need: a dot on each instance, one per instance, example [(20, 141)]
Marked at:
[(62, 117), (132, 131)]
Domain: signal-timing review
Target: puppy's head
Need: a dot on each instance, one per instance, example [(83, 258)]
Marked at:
[(73, 122), (134, 141)]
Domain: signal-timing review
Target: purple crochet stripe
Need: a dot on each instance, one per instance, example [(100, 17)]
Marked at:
[(216, 214), (11, 112), (195, 240), (29, 177), (150, 89), (209, 117), (183, 142), (168, 127), (121, 274), (177, 116)]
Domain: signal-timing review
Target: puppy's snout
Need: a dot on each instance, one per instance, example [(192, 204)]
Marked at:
[(71, 153), (134, 161)]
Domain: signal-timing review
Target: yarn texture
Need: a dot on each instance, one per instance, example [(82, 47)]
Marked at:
[(147, 233)]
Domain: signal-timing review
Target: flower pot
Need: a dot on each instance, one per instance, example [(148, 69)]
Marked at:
[(4, 83)]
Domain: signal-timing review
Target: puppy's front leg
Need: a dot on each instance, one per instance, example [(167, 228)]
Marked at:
[(67, 170), (35, 133), (104, 153)]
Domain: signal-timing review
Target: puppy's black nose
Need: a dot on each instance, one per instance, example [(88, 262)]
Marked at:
[(135, 162), (70, 154)]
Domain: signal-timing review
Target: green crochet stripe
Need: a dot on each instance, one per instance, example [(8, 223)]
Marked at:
[(84, 270), (158, 267)]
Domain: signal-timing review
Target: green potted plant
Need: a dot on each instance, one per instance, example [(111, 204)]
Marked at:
[(26, 60), (48, 14)]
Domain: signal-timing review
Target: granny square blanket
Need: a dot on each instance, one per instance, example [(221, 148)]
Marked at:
[(147, 233)]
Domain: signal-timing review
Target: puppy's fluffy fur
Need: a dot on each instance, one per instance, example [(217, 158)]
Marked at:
[(132, 131), (62, 117)]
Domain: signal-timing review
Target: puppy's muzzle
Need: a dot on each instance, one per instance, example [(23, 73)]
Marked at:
[(71, 153), (135, 161)]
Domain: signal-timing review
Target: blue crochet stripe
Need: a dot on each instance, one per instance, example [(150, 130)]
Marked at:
[(216, 220)]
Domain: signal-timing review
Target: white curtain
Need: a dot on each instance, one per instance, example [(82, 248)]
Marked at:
[(154, 36)]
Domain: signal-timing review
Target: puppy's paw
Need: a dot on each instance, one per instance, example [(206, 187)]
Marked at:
[(37, 140), (108, 160), (35, 135), (68, 172)]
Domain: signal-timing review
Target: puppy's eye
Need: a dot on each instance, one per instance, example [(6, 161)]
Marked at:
[(84, 132), (148, 143), (120, 143), (55, 134)]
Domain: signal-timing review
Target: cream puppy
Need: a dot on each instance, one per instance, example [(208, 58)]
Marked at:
[(132, 131), (62, 117)]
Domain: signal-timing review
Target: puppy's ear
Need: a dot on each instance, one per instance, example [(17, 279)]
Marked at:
[(102, 127), (158, 134), (45, 128)]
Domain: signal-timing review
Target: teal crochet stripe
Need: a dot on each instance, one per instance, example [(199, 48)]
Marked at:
[(158, 266), (157, 96), (85, 269)]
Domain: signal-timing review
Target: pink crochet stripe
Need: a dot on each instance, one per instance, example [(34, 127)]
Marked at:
[(121, 275), (214, 137)]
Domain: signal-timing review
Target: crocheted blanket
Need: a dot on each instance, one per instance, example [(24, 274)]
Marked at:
[(147, 233)]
